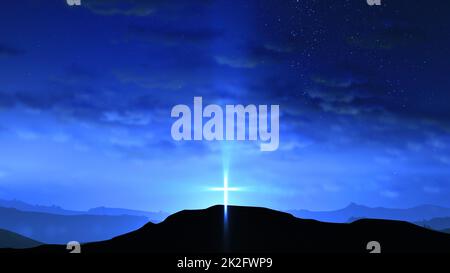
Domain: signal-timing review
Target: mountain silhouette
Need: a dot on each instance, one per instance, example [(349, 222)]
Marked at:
[(23, 206), (154, 217), (355, 211), (60, 229), (439, 223), (261, 230), (10, 239)]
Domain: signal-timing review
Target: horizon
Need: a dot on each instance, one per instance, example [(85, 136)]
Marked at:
[(217, 204)]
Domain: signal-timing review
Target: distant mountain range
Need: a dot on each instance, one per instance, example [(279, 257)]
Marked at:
[(60, 229), (261, 230), (355, 211), (55, 225), (17, 204), (154, 217), (440, 223), (10, 239), (350, 213)]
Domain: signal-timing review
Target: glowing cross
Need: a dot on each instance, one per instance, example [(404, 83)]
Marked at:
[(225, 190)]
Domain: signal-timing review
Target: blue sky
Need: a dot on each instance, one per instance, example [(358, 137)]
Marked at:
[(86, 94)]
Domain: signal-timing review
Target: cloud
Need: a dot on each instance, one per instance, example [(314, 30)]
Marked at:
[(159, 81), (123, 7), (76, 73), (389, 37), (340, 108), (6, 100), (137, 8), (62, 101), (252, 56), (280, 48), (296, 144), (329, 187), (173, 36), (437, 143), (127, 118), (9, 51), (390, 194), (444, 160), (72, 90), (329, 95), (344, 93), (431, 189), (338, 79), (236, 62), (75, 100), (180, 69), (60, 137), (127, 142), (27, 135)]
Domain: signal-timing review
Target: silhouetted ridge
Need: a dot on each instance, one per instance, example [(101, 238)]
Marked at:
[(253, 229), (259, 230), (10, 239)]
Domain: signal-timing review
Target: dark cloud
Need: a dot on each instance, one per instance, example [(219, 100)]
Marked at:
[(6, 50), (173, 36), (389, 38), (62, 102), (6, 100), (136, 7), (126, 7), (268, 54), (253, 56), (79, 72)]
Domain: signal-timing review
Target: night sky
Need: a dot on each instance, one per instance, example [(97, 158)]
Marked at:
[(86, 94)]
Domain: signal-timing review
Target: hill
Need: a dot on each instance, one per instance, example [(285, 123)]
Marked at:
[(10, 239), (260, 230)]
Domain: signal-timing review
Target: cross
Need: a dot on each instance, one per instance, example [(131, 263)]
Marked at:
[(225, 190)]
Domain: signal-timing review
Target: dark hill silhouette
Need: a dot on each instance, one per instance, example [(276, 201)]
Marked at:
[(256, 230), (10, 239)]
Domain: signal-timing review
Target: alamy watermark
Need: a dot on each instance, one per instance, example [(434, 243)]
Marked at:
[(236, 118), (73, 2), (374, 2)]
